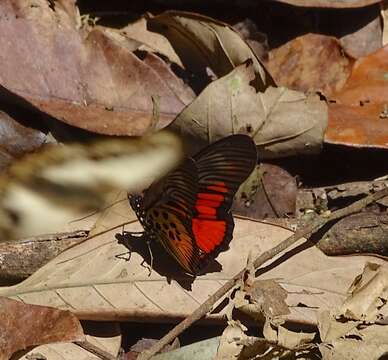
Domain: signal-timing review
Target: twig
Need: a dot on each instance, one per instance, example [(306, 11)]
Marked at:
[(95, 350), (264, 257)]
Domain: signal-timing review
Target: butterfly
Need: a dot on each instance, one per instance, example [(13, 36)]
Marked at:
[(188, 211)]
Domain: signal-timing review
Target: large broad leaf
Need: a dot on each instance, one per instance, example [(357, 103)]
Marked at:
[(282, 122), (45, 191), (90, 78), (206, 45), (99, 279)]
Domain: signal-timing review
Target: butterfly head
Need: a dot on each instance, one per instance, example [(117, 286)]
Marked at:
[(136, 202)]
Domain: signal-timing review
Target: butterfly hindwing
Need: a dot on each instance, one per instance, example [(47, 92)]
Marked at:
[(222, 167)]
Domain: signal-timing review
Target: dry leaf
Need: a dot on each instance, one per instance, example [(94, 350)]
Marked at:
[(310, 62), (203, 43), (358, 118), (63, 183), (231, 341), (269, 192), (368, 295), (384, 20), (24, 325), (202, 350), (349, 331), (330, 3), (364, 33), (91, 80), (282, 122), (17, 139), (100, 280), (150, 41), (106, 337), (264, 299), (293, 340)]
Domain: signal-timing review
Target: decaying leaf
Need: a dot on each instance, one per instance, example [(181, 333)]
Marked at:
[(90, 78), (330, 3), (269, 192), (150, 41), (281, 121), (63, 183), (25, 325), (231, 341), (310, 62), (357, 329), (17, 139), (368, 295), (358, 116), (203, 43), (264, 299)]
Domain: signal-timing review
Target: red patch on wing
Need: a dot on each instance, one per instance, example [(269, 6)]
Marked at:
[(208, 233)]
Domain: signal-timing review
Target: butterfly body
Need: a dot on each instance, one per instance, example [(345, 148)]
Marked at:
[(188, 211)]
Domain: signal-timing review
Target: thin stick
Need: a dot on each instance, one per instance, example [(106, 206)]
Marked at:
[(95, 350), (264, 257)]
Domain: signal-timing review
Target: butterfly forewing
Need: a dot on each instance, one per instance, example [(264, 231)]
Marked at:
[(189, 211)]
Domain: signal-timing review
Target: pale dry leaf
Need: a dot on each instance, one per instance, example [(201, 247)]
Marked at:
[(231, 341), (101, 280), (349, 330), (62, 183), (331, 329), (293, 340), (270, 332), (281, 121), (368, 295), (357, 346), (202, 42), (69, 351)]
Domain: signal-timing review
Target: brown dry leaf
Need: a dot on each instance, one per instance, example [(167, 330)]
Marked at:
[(282, 122), (17, 139), (269, 192), (101, 280), (25, 325), (150, 41), (365, 37), (264, 299), (384, 20), (89, 79), (310, 62), (204, 44), (63, 183), (359, 117), (330, 3)]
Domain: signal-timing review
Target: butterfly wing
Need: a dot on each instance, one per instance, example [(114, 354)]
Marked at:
[(192, 217), (222, 167), (169, 208)]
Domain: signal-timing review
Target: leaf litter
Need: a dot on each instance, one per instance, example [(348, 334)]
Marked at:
[(198, 77)]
